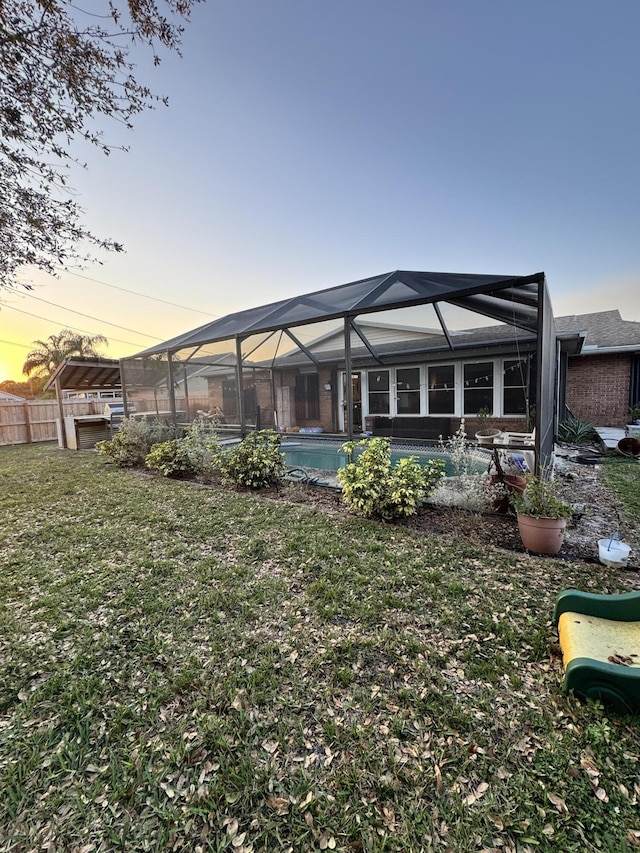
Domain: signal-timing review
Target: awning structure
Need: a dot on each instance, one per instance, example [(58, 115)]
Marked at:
[(80, 373), (522, 302)]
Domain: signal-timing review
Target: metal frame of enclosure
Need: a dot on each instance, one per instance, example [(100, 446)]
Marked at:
[(519, 301)]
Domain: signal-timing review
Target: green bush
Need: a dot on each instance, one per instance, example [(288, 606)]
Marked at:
[(256, 462), (374, 488), (130, 445), (170, 458), (201, 446)]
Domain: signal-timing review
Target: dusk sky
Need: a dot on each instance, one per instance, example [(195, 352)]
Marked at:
[(308, 144)]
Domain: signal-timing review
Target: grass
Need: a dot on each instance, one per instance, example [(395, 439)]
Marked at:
[(623, 477), (188, 668)]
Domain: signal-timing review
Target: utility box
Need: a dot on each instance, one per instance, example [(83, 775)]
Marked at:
[(84, 431)]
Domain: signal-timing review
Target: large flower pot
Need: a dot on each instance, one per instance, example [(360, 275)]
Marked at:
[(513, 484), (541, 535), (487, 436)]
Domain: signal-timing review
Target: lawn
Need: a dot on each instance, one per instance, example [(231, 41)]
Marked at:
[(191, 668)]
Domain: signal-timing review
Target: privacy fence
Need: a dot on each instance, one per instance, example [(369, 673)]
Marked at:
[(36, 420)]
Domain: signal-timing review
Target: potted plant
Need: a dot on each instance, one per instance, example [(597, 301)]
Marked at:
[(542, 515), (485, 434)]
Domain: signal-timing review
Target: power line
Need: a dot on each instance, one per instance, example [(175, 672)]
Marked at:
[(90, 317), (14, 344), (144, 295), (73, 328)]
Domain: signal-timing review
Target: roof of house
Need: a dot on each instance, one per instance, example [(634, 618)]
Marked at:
[(604, 329), (6, 397)]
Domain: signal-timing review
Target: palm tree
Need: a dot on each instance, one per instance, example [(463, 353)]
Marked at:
[(49, 354)]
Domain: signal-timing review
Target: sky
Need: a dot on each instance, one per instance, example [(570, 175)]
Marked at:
[(309, 144)]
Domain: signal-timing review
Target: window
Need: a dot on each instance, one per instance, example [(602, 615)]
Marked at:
[(230, 399), (408, 390), (378, 381), (514, 394), (307, 397), (478, 387), (441, 391)]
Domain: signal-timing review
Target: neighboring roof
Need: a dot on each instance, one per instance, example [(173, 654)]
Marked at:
[(6, 397), (79, 373), (512, 299), (484, 337), (604, 330)]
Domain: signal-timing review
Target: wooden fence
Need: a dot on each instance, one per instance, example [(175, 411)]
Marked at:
[(36, 420)]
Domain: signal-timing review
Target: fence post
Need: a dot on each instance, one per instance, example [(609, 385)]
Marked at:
[(27, 422), (63, 431)]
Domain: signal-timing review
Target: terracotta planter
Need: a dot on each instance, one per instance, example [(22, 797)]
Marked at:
[(513, 484), (542, 535)]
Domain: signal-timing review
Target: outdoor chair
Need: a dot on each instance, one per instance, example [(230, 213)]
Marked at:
[(518, 439)]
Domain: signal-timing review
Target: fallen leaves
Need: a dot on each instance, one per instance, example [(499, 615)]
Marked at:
[(476, 794), (587, 762), (558, 803)]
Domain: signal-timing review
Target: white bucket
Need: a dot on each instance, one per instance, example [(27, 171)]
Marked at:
[(613, 553)]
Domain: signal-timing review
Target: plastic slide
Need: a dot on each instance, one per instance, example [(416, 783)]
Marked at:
[(600, 642)]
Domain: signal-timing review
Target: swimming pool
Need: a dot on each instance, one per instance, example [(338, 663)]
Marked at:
[(327, 455)]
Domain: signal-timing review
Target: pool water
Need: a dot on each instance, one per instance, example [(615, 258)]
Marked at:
[(328, 456)]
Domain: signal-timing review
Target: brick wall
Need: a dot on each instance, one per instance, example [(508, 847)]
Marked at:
[(598, 388), (325, 377)]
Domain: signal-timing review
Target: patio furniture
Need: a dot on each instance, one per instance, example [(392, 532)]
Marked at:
[(510, 441)]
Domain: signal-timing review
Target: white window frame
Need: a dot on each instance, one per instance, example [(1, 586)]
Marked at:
[(458, 391)]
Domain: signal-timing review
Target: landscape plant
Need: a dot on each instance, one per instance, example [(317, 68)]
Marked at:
[(467, 490), (195, 454), (64, 71), (573, 430), (201, 445), (134, 439), (375, 488), (256, 461), (540, 499), (170, 458)]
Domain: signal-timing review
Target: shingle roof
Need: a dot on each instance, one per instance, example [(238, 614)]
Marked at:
[(603, 328)]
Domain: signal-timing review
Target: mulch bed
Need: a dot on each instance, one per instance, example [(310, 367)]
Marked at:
[(598, 515)]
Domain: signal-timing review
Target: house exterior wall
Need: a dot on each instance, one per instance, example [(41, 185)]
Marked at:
[(260, 379), (598, 388), (287, 379)]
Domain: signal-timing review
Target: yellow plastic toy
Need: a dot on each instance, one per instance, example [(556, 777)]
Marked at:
[(600, 642)]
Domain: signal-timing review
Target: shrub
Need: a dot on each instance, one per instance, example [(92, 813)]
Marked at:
[(256, 462), (170, 458), (576, 431), (201, 446), (467, 490), (133, 441), (374, 488)]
